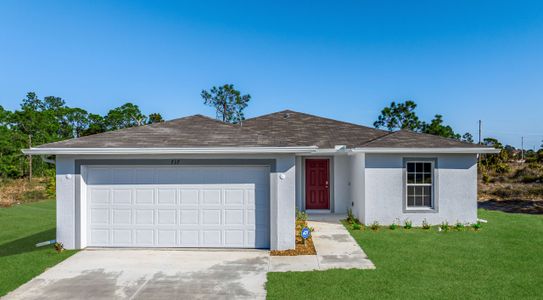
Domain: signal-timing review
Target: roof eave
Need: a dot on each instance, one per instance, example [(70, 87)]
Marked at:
[(450, 150), (151, 151)]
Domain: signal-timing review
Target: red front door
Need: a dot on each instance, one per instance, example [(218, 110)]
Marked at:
[(317, 183)]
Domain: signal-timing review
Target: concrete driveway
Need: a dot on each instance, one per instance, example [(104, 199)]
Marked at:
[(152, 274)]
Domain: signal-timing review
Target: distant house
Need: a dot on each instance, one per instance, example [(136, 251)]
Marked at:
[(199, 182)]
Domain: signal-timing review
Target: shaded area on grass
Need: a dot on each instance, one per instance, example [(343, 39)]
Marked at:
[(513, 206), (502, 260), (27, 243), (21, 227)]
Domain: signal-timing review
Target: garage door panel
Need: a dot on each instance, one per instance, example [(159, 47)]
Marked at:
[(121, 216), (189, 196), (144, 237), (211, 197), (234, 196), (167, 217), (144, 196), (99, 196), (211, 238), (167, 196), (190, 238), (121, 236), (233, 217), (189, 217), (121, 196), (144, 216), (178, 206), (211, 216), (99, 237), (234, 238)]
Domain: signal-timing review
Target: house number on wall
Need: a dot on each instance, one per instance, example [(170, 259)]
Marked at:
[(175, 162)]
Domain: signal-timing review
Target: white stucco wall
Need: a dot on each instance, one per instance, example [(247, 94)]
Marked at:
[(456, 189), (70, 228), (357, 191), (65, 191), (342, 183)]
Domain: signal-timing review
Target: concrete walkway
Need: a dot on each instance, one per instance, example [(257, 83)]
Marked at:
[(336, 249), (189, 274), (152, 274)]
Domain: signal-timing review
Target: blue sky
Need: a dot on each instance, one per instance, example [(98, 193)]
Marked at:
[(466, 60)]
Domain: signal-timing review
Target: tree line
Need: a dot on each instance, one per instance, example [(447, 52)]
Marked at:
[(40, 121)]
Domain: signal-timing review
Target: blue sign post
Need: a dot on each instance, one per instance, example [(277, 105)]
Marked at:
[(305, 233)]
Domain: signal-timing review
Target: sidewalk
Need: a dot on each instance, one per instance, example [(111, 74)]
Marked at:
[(336, 249)]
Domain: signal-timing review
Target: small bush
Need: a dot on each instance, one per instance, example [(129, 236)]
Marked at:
[(407, 224), (301, 215), (444, 226), (374, 225), (351, 219), (486, 178), (59, 247), (502, 168), (51, 187), (425, 224), (459, 226), (394, 224), (356, 226), (476, 226)]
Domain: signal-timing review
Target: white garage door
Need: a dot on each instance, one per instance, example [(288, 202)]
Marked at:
[(178, 206)]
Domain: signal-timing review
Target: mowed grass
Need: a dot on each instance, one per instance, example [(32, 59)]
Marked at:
[(502, 260), (21, 227)]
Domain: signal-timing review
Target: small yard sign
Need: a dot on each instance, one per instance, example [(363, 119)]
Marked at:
[(306, 233)]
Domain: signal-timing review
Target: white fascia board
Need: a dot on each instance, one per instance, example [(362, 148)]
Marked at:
[(230, 150), (481, 150)]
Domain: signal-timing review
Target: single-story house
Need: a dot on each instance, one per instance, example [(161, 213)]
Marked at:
[(199, 182)]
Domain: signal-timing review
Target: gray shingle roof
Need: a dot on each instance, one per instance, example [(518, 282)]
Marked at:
[(281, 129), (187, 132), (410, 139), (290, 128)]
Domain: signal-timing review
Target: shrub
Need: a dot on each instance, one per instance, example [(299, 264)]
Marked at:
[(444, 226), (374, 225), (486, 178), (459, 226), (502, 168), (356, 226), (425, 224), (351, 219), (51, 187), (394, 224), (59, 247), (301, 215), (476, 226), (407, 224)]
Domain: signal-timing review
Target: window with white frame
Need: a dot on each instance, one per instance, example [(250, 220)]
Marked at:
[(419, 184)]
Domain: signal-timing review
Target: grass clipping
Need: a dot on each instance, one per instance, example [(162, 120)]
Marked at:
[(301, 249)]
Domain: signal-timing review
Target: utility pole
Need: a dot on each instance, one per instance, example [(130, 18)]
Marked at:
[(480, 125), (30, 158), (522, 148)]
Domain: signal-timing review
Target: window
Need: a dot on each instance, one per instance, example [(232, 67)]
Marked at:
[(420, 184)]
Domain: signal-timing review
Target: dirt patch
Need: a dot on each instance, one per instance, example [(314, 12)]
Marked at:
[(514, 206), (16, 191), (302, 248)]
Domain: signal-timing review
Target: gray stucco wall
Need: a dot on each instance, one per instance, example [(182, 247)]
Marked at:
[(282, 195), (456, 189)]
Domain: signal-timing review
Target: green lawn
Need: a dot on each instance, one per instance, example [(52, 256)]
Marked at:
[(21, 227), (503, 260)]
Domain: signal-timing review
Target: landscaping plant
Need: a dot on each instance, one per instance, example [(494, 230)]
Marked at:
[(408, 224), (425, 224), (444, 226), (374, 225)]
